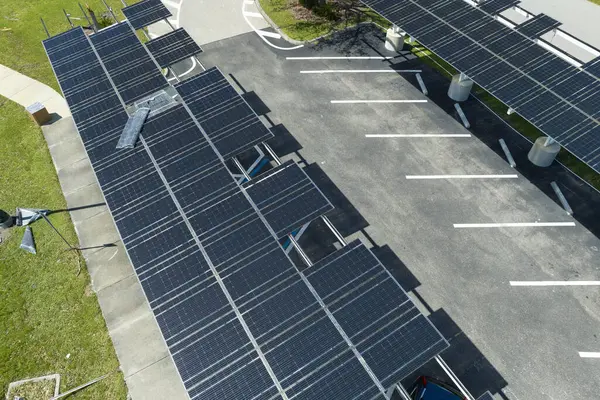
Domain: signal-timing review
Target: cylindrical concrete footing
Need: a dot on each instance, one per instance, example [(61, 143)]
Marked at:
[(460, 89), (542, 155), (394, 41)]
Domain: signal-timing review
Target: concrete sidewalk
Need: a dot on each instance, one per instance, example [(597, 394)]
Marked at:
[(25, 91)]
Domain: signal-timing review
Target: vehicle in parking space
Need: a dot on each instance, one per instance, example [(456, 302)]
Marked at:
[(427, 388)]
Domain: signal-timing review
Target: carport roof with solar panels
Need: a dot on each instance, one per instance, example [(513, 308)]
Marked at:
[(239, 318), (560, 99)]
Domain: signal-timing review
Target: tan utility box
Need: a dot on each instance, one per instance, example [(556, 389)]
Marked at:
[(39, 113)]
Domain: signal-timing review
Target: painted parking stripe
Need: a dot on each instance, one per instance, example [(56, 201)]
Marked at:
[(420, 135), (586, 354), (253, 14), (515, 225), (554, 283), (359, 71), (508, 176), (268, 34), (375, 101), (340, 58)]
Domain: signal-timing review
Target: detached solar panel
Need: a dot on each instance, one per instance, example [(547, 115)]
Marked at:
[(386, 327), (287, 198), (537, 26), (146, 13), (173, 47), (226, 118)]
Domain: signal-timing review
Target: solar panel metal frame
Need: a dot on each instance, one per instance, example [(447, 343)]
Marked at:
[(287, 197), (173, 47), (146, 12)]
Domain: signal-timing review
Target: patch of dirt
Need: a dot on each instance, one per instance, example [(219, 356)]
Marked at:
[(301, 13), (88, 291), (40, 390)]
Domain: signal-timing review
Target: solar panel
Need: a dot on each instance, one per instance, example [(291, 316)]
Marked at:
[(287, 198), (537, 26), (497, 6), (173, 47), (537, 84), (238, 318), (146, 13), (131, 69), (224, 115), (388, 330)]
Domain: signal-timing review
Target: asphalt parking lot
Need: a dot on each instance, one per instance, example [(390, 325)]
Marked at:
[(529, 336)]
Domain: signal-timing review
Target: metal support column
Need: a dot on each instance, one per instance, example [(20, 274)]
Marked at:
[(68, 19), (85, 15), (297, 236), (454, 378), (110, 10), (241, 168), (44, 25)]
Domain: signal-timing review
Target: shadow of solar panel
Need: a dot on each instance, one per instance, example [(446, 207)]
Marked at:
[(173, 47), (374, 311), (537, 26), (223, 114), (133, 72), (287, 198), (146, 13)]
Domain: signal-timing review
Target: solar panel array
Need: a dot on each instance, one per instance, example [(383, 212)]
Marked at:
[(561, 100), (146, 13), (287, 198), (537, 26), (173, 47), (130, 67), (227, 119), (497, 6), (240, 320)]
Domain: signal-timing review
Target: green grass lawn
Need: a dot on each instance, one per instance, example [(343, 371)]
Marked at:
[(21, 48), (280, 11), (46, 310)]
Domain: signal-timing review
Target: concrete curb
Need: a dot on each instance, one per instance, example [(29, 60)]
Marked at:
[(304, 42)]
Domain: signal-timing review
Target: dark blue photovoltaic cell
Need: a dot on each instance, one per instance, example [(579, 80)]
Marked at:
[(376, 323), (173, 47), (145, 13), (537, 26), (287, 198), (228, 121), (504, 61), (131, 69)]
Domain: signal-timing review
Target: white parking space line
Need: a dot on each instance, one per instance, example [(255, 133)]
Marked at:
[(172, 4), (359, 71), (340, 58), (253, 14), (375, 101), (420, 135), (555, 283), (585, 354), (509, 176), (515, 225), (268, 34)]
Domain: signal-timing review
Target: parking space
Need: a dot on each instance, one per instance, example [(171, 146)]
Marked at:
[(447, 204)]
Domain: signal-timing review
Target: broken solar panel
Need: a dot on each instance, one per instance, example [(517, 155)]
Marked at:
[(132, 70), (224, 115), (173, 47), (287, 198), (387, 329), (145, 13)]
